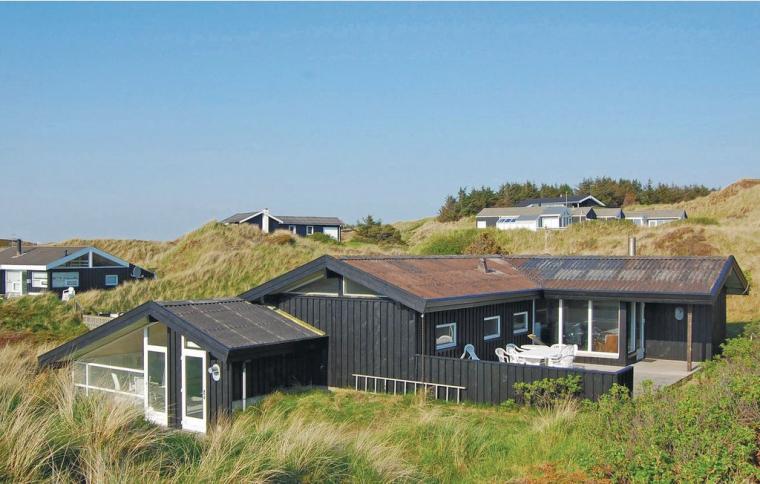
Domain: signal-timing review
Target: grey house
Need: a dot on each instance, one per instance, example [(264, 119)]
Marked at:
[(530, 218), (37, 269), (609, 213), (653, 218), (297, 225)]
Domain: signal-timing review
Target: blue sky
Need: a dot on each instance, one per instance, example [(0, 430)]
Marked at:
[(148, 120)]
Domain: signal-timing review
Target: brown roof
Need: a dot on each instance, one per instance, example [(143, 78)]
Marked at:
[(35, 255), (668, 275), (446, 277)]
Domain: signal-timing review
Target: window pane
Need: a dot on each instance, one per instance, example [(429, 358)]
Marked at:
[(156, 381), (605, 329), (157, 335), (194, 386), (631, 328), (492, 327), (520, 323), (575, 323), (445, 335)]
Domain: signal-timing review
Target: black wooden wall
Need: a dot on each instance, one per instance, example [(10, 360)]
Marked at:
[(174, 380), (470, 329), (367, 336), (666, 337)]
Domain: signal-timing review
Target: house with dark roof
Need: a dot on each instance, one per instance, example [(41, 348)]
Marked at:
[(583, 214), (530, 218), (397, 324), (297, 225), (567, 201), (653, 218), (35, 269)]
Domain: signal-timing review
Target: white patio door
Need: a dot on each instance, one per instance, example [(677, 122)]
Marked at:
[(13, 280), (193, 388)]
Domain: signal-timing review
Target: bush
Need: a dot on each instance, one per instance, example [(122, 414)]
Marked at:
[(323, 238), (701, 221), (374, 231), (449, 243), (485, 243), (280, 237), (549, 391)]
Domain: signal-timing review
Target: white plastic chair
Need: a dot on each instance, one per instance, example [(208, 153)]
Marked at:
[(565, 358), (469, 350), (513, 354), (501, 354), (515, 347), (116, 383)]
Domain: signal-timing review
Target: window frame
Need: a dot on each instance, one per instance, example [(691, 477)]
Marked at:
[(497, 335), (36, 281), (309, 230), (589, 327), (64, 275), (446, 346), (527, 323), (293, 229), (115, 283)]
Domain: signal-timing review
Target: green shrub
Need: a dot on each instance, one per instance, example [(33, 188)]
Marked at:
[(374, 231), (449, 243), (547, 392), (323, 238), (701, 221), (483, 244)]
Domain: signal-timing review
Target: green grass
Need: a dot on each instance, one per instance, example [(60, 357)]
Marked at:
[(45, 317)]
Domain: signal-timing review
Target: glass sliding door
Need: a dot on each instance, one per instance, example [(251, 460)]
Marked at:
[(575, 323), (156, 369), (640, 323), (193, 389), (605, 329)]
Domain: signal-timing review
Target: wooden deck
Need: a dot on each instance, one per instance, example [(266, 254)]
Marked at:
[(661, 373)]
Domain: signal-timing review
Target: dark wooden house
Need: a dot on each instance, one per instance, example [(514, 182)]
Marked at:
[(297, 225), (187, 362), (36, 269), (382, 311)]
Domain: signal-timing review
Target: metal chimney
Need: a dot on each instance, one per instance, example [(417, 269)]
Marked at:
[(18, 247), (483, 265), (631, 246)]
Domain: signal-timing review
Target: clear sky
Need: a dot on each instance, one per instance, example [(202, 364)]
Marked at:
[(146, 121)]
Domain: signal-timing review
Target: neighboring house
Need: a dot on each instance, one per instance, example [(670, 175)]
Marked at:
[(531, 218), (653, 218), (403, 322), (582, 214), (303, 226), (608, 213), (568, 201), (38, 268)]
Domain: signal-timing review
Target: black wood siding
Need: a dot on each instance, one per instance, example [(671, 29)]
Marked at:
[(665, 337), (174, 381), (218, 393), (367, 336), (470, 329), (492, 382), (305, 364)]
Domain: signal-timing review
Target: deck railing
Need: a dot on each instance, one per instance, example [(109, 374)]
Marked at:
[(438, 388)]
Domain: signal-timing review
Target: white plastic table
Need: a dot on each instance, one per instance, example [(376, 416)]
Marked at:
[(538, 355)]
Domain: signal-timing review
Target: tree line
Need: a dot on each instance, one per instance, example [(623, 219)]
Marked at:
[(613, 193)]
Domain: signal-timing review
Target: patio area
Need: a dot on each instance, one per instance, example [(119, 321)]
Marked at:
[(662, 373)]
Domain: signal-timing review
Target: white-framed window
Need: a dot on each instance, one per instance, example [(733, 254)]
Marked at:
[(481, 224), (65, 279), (39, 279), (292, 229), (112, 280), (520, 323), (491, 327), (592, 325), (445, 336), (309, 229)]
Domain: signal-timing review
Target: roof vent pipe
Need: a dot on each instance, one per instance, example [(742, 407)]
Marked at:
[(18, 247), (632, 246), (483, 265)]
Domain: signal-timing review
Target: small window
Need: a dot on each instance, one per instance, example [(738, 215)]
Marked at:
[(492, 327), (507, 220), (39, 279), (481, 224), (520, 323), (445, 336), (292, 229), (309, 229), (112, 280)]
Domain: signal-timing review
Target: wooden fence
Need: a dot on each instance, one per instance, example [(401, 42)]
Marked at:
[(493, 382)]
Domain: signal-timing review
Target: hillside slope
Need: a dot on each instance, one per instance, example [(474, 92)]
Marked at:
[(220, 261)]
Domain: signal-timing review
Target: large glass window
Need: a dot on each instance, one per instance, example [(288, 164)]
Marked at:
[(65, 279), (605, 332), (157, 335), (157, 381), (575, 323), (520, 323), (39, 279), (445, 336), (631, 326), (194, 374)]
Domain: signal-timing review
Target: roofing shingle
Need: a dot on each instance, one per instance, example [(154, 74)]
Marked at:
[(35, 255)]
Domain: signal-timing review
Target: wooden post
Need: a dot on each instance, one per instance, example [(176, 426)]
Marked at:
[(689, 336)]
